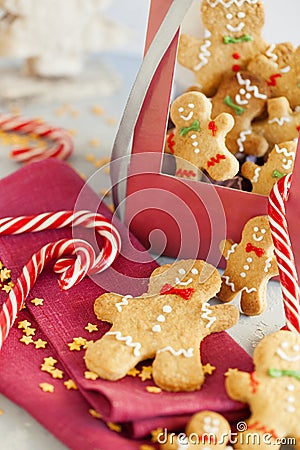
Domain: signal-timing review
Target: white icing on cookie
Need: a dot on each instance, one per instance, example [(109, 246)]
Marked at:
[(242, 139), (270, 54), (229, 3), (127, 340), (207, 315), (284, 151), (235, 29), (229, 283), (256, 175), (230, 251), (286, 357), (183, 283), (189, 353), (268, 264), (279, 120), (156, 328), (123, 302), (167, 309), (203, 55), (249, 87), (285, 69), (248, 290)]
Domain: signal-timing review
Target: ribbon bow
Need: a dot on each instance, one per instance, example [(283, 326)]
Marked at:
[(257, 250), (194, 127), (233, 40), (185, 293), (277, 373)]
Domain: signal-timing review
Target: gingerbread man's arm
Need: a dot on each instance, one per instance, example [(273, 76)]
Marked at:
[(248, 170), (108, 306), (188, 51), (219, 317), (226, 247), (239, 385), (273, 270), (224, 123)]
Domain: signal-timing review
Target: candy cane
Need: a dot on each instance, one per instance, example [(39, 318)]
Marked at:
[(61, 148), (71, 270), (284, 254)]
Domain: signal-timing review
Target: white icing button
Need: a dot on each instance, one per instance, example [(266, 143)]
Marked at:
[(290, 408), (263, 231), (191, 105), (167, 309), (180, 110), (216, 421), (196, 150), (161, 318), (207, 419), (156, 328), (229, 16), (285, 345), (249, 260), (248, 96), (195, 271), (243, 275), (290, 387), (241, 15), (182, 271), (246, 267), (242, 91), (195, 144), (291, 399), (193, 136), (255, 229)]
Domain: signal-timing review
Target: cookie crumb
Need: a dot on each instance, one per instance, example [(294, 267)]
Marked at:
[(153, 389)]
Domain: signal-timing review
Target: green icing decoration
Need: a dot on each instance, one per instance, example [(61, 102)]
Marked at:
[(237, 109), (194, 127), (278, 373), (277, 174), (233, 40)]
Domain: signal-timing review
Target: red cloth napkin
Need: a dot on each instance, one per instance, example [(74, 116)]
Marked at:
[(52, 186)]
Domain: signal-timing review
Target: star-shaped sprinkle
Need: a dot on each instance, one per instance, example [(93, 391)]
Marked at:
[(4, 274), (90, 327), (56, 373), (146, 373), (153, 389), (114, 427), (133, 372), (229, 371), (6, 288), (47, 387), (29, 331), (37, 301), (70, 384), (40, 343), (24, 324), (95, 414), (208, 369), (50, 361), (155, 434), (77, 343), (26, 340), (73, 346), (87, 344), (90, 375)]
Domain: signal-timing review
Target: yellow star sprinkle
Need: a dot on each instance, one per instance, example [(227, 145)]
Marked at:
[(95, 414), (29, 331), (208, 369), (155, 434), (6, 288), (79, 341), (114, 427), (73, 346), (153, 389), (24, 324), (229, 371), (26, 340), (50, 361), (40, 343), (90, 327), (47, 368), (4, 274), (37, 301), (90, 375), (70, 384), (146, 373), (46, 387), (56, 373), (133, 372)]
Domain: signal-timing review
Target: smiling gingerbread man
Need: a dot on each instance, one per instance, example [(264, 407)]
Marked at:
[(272, 392), (250, 265)]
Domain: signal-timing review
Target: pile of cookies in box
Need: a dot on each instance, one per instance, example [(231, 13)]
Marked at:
[(242, 116)]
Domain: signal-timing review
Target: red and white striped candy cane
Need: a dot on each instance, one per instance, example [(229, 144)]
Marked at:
[(62, 219), (85, 259), (284, 253), (72, 270), (62, 144)]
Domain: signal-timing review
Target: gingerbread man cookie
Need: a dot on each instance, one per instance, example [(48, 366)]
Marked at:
[(158, 325), (280, 162), (206, 430), (282, 73), (234, 38), (282, 123), (244, 95), (272, 392), (201, 140), (250, 265)]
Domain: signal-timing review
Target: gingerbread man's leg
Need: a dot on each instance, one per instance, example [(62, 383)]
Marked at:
[(227, 291), (183, 363), (253, 302), (112, 356), (255, 438)]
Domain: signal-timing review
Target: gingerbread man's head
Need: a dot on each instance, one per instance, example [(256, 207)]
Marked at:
[(188, 276), (234, 18), (282, 159), (278, 352), (257, 237), (188, 108)]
